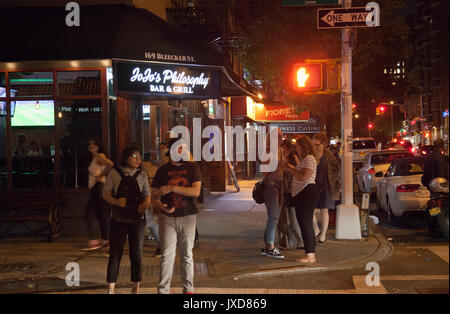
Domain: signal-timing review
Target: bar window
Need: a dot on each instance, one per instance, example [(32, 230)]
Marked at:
[(78, 121), (31, 84), (3, 166), (2, 85), (33, 144), (78, 83)]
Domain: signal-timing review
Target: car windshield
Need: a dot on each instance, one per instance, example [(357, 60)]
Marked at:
[(409, 169), (387, 158), (365, 144)]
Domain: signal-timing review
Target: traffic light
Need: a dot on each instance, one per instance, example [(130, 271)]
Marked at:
[(307, 76), (382, 109), (370, 126)]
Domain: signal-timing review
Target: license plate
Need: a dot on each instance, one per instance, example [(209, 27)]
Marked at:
[(435, 211)]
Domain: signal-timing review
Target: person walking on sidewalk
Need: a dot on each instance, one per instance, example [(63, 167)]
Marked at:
[(273, 184), (174, 188), (327, 180), (305, 193), (127, 188), (99, 167)]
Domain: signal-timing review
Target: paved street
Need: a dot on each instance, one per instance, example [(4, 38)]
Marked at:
[(228, 260)]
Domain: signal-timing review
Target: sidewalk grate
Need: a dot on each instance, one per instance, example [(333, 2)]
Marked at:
[(153, 270)]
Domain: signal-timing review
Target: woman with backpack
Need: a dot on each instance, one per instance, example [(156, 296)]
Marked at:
[(127, 188)]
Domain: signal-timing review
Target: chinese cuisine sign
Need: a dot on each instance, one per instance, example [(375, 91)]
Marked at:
[(167, 80)]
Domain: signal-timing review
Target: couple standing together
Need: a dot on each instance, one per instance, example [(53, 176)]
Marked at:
[(307, 178), (172, 194)]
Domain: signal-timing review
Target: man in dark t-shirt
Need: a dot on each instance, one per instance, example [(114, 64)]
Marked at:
[(174, 188)]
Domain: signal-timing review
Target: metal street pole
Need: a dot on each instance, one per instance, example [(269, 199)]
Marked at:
[(392, 121), (347, 215)]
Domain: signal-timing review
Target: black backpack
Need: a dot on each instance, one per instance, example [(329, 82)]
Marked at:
[(258, 192), (129, 189)]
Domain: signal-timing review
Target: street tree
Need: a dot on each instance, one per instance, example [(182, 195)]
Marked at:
[(283, 36)]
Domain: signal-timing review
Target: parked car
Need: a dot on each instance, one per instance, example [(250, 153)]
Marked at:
[(401, 190), (377, 162), (401, 145), (360, 147)]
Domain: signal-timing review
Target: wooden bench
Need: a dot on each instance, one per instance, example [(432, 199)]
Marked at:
[(26, 206)]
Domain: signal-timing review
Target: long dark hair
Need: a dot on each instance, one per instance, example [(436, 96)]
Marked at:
[(127, 152), (289, 149), (97, 143), (307, 147)]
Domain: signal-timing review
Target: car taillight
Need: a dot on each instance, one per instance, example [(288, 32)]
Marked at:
[(413, 150), (424, 153), (371, 171), (407, 188)]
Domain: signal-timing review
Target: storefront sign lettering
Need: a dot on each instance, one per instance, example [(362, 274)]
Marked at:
[(168, 57), (167, 80)]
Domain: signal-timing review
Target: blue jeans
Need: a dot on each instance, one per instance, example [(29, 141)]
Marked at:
[(273, 202), (152, 224)]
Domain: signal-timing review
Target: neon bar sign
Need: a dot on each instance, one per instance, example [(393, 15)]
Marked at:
[(167, 80)]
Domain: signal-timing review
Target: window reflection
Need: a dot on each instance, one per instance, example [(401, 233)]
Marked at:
[(3, 166), (31, 84), (78, 121), (78, 83)]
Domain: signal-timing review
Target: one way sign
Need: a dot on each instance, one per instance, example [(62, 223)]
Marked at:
[(342, 18)]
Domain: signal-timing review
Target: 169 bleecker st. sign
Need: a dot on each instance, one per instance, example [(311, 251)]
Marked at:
[(167, 80)]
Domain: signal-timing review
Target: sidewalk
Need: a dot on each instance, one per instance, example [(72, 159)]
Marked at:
[(231, 227)]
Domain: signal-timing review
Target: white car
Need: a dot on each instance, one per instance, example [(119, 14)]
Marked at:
[(360, 147), (401, 190), (377, 162)]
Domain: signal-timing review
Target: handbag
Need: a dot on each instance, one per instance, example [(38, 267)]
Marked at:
[(258, 192)]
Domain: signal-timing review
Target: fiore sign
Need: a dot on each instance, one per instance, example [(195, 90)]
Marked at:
[(167, 80), (279, 113)]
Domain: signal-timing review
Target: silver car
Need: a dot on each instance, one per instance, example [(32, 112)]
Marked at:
[(377, 162)]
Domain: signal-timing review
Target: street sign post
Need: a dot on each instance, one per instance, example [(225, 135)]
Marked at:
[(287, 3), (344, 18)]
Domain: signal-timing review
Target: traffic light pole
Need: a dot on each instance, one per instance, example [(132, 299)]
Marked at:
[(347, 216)]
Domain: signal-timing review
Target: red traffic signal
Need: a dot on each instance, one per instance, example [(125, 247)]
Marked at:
[(382, 109), (370, 126), (307, 76)]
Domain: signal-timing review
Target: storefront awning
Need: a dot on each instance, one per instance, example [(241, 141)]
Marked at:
[(105, 32)]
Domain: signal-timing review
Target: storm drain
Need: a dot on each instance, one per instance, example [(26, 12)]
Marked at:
[(153, 270)]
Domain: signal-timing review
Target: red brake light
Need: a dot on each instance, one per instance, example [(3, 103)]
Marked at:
[(407, 188), (371, 171), (412, 150), (424, 152)]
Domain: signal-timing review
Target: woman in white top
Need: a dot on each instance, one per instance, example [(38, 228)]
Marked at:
[(99, 167), (304, 193)]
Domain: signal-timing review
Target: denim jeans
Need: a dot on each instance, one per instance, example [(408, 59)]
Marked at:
[(175, 230), (118, 235), (96, 206), (273, 202), (152, 224)]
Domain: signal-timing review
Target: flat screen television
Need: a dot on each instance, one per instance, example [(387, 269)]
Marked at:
[(33, 113)]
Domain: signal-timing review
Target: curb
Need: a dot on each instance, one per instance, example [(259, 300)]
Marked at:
[(383, 251)]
